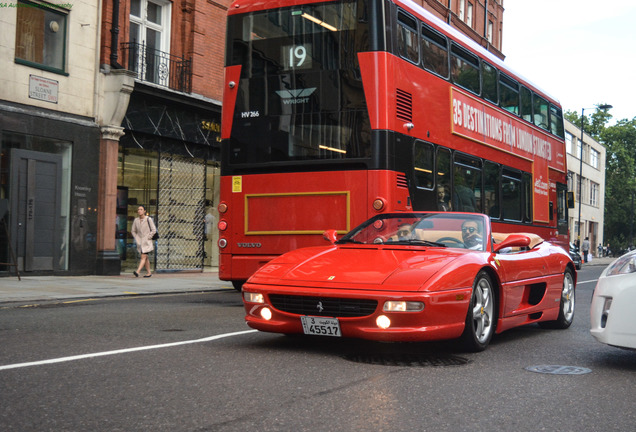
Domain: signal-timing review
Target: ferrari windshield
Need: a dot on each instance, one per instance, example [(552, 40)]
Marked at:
[(458, 230)]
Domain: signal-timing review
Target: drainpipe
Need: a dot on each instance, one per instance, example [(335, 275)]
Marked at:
[(486, 20), (114, 37), (448, 20)]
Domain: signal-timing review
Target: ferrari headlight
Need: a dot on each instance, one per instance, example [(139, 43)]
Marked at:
[(624, 265), (250, 297), (403, 306)]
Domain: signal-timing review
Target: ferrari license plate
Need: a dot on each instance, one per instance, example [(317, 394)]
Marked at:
[(321, 326)]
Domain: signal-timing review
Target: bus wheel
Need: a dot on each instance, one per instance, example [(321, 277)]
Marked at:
[(238, 285)]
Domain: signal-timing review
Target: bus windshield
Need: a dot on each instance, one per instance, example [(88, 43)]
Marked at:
[(300, 88)]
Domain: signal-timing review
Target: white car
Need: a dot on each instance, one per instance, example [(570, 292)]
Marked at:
[(613, 304)]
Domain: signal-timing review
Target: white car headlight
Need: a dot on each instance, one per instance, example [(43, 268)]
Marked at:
[(624, 265)]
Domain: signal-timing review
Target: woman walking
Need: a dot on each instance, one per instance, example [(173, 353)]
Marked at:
[(143, 229)]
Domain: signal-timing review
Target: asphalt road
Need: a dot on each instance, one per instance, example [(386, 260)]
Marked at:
[(188, 363)]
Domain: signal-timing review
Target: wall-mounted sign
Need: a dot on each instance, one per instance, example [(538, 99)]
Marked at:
[(43, 89)]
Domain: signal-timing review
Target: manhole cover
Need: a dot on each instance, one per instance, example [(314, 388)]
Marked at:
[(408, 359), (559, 370)]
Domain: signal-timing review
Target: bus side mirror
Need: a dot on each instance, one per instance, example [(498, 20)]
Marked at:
[(571, 201), (330, 235)]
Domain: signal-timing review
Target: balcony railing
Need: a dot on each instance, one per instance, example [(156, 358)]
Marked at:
[(159, 67)]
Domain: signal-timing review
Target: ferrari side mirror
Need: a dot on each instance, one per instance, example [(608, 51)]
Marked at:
[(513, 240), (330, 235)]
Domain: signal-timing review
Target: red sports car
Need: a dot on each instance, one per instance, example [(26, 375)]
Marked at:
[(415, 277)]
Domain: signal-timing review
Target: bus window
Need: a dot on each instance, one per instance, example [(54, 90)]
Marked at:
[(467, 184), (511, 195), (489, 82), (556, 121), (526, 104), (442, 179), (408, 46), (491, 190), (527, 196), (465, 69), (540, 110), (423, 158), (434, 52), (508, 94)]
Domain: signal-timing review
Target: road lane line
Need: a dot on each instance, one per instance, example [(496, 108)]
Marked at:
[(587, 281), (122, 351)]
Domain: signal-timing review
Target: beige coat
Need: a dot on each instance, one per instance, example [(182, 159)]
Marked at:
[(142, 231)]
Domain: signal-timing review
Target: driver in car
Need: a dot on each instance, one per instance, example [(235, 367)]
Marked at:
[(405, 232), (472, 236)]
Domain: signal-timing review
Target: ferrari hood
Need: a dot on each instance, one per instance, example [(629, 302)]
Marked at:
[(383, 267)]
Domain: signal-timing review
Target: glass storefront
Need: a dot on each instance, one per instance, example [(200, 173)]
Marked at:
[(180, 192)]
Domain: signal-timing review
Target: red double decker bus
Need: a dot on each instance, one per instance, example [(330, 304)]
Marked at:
[(334, 111)]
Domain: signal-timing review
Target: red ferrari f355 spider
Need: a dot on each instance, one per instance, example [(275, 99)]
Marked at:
[(415, 277)]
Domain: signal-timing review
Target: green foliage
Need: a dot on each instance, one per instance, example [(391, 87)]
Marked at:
[(620, 181)]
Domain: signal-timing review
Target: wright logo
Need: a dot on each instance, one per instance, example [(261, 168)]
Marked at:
[(297, 96)]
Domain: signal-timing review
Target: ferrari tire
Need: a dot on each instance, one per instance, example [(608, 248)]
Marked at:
[(566, 306), (481, 319)]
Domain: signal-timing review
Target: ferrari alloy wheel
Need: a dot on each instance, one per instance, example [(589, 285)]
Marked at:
[(481, 318), (566, 307)]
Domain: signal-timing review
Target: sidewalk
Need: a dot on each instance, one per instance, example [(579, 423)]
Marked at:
[(34, 289)]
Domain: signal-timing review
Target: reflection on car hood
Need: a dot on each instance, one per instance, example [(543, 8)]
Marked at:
[(397, 267)]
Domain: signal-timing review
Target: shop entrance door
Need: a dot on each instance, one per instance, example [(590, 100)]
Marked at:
[(35, 209)]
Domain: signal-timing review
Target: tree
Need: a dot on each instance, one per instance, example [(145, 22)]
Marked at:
[(620, 182)]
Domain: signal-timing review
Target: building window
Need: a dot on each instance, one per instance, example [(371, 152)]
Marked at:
[(462, 10), (579, 149), (594, 158), (150, 32), (594, 189), (41, 36), (469, 14), (569, 140), (489, 32)]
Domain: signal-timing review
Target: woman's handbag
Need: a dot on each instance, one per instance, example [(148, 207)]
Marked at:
[(156, 234)]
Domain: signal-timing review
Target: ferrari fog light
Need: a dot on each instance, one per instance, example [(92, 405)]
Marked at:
[(383, 322), (266, 313), (403, 306), (251, 297)]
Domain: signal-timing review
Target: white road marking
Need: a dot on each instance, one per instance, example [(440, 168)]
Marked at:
[(122, 351), (588, 281)]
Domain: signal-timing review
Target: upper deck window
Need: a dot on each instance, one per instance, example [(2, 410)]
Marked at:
[(465, 69), (434, 51), (408, 45), (508, 94)]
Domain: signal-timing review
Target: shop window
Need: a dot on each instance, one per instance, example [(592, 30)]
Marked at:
[(41, 36)]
